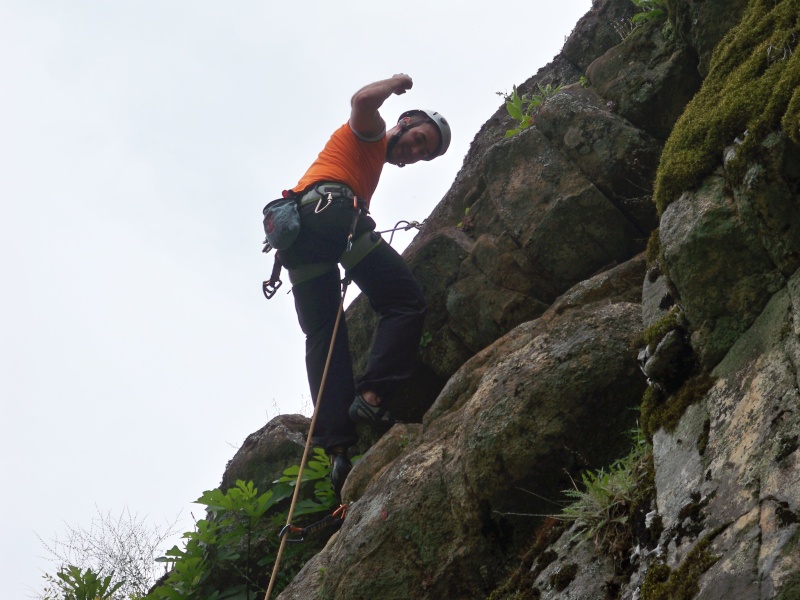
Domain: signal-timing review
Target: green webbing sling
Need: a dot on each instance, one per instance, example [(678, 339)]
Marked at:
[(363, 245)]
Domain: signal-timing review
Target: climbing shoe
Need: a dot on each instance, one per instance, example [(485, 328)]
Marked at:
[(363, 412), (340, 469)]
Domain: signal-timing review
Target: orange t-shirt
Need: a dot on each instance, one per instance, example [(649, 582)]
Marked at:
[(348, 159)]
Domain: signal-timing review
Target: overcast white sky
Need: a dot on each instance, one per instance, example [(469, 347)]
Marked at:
[(139, 141)]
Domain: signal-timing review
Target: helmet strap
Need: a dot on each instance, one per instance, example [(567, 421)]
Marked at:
[(396, 138)]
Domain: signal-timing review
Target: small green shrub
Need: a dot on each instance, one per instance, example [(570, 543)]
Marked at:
[(523, 108), (225, 540), (227, 555), (623, 28), (73, 583), (466, 224), (426, 339), (602, 506), (649, 10)]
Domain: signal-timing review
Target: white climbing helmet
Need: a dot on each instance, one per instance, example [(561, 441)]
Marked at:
[(441, 124)]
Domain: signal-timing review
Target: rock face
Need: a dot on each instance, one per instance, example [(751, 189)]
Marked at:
[(439, 518), (539, 301), (267, 452), (723, 293)]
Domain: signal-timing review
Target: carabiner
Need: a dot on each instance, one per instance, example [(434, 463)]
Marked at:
[(291, 529), (270, 287), (317, 209), (353, 223)]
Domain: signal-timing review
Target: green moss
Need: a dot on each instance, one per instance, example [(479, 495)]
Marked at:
[(693, 509), (653, 253), (531, 594), (656, 332), (520, 583), (790, 590), (791, 120), (650, 410), (658, 412), (752, 86), (564, 576), (785, 515), (662, 583), (787, 445), (545, 558), (702, 439)]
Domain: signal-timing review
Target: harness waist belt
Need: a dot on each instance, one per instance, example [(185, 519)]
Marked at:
[(323, 190)]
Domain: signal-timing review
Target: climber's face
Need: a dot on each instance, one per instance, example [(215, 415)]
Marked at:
[(416, 143)]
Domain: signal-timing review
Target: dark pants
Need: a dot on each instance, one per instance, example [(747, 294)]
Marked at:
[(395, 296)]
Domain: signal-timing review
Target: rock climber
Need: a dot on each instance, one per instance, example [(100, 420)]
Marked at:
[(349, 167)]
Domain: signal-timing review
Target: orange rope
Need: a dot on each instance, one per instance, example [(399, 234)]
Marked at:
[(273, 577)]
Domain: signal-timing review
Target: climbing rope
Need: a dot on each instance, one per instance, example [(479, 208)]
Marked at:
[(307, 448)]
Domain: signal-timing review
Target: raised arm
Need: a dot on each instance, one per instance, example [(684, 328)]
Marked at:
[(364, 116)]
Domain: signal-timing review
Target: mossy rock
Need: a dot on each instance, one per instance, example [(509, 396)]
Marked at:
[(753, 87), (658, 411), (663, 583), (791, 589)]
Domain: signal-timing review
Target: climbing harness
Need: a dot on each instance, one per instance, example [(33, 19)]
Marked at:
[(357, 247), (282, 222), (332, 521), (289, 527)]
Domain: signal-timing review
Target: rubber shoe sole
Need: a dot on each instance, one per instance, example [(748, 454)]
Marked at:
[(363, 412), (340, 469)]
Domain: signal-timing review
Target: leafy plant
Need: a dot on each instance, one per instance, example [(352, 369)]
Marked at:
[(523, 108), (624, 28), (125, 545), (467, 224), (216, 542), (224, 541), (650, 9), (226, 555), (73, 583), (426, 339), (601, 507), (317, 470)]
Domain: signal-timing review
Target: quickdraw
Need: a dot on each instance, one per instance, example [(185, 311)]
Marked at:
[(408, 225), (332, 521), (271, 285)]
